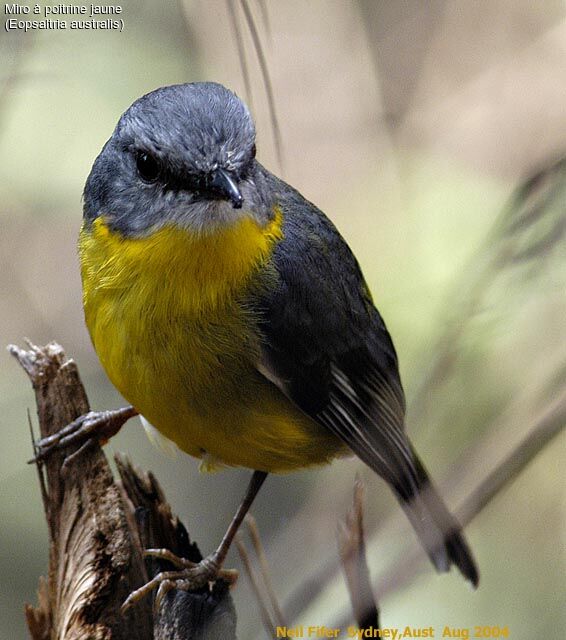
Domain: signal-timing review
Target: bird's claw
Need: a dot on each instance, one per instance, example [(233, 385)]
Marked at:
[(190, 576), (84, 432)]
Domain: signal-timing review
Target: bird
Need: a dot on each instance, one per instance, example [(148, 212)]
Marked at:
[(232, 315)]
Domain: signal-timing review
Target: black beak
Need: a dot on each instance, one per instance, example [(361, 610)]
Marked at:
[(224, 184)]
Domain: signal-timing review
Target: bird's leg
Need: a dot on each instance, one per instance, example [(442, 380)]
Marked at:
[(94, 426), (194, 575)]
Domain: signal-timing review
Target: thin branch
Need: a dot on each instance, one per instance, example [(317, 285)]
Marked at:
[(264, 612), (266, 81), (264, 569), (264, 17), (352, 551), (547, 427), (238, 37)]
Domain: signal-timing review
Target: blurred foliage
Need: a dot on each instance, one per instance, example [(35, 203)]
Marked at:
[(410, 125)]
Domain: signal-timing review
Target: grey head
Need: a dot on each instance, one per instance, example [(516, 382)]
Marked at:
[(182, 155)]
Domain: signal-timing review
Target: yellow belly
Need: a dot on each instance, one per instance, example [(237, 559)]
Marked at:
[(165, 321)]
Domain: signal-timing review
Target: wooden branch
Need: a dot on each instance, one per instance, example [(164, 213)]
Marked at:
[(98, 529)]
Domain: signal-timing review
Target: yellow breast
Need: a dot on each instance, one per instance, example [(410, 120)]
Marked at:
[(165, 316)]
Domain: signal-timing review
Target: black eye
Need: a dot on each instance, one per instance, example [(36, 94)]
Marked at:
[(148, 167), (253, 151)]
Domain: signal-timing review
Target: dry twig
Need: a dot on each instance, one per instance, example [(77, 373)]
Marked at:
[(268, 623), (352, 550), (264, 570)]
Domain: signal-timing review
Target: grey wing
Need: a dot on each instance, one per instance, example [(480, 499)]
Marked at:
[(326, 346)]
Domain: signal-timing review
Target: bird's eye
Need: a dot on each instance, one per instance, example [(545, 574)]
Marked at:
[(148, 167), (254, 151)]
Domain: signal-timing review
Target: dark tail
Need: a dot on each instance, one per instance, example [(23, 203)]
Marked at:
[(439, 532)]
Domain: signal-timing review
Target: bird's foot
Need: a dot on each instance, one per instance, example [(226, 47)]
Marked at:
[(84, 432), (190, 576)]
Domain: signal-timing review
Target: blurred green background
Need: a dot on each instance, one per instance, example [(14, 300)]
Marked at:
[(409, 124)]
